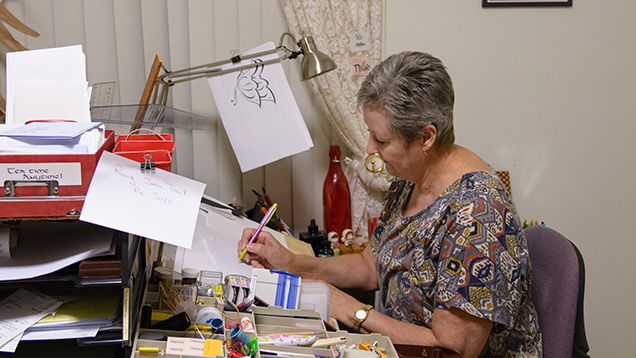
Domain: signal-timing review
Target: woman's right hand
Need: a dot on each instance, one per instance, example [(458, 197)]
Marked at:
[(265, 251)]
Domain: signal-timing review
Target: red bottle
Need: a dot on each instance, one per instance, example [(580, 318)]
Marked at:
[(336, 198)]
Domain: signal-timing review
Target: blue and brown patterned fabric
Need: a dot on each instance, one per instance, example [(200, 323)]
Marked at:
[(466, 250)]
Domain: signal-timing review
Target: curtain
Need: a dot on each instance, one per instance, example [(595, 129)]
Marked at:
[(331, 23)]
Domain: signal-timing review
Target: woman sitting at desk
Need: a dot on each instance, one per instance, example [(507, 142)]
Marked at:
[(447, 255)]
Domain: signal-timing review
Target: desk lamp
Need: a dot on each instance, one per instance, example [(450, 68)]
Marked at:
[(314, 63)]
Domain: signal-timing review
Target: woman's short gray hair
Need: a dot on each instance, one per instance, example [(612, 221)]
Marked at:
[(413, 89)]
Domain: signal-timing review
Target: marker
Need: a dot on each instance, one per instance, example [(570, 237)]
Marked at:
[(276, 353), (264, 222), (148, 349), (326, 342)]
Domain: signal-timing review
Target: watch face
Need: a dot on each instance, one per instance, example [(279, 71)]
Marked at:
[(361, 314)]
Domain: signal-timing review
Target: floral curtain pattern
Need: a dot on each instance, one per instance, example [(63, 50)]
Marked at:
[(331, 23)]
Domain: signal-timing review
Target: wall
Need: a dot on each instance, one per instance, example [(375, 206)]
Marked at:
[(548, 93), (545, 93)]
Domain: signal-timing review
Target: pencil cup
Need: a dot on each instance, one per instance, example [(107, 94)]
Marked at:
[(238, 341), (246, 324), (217, 325)]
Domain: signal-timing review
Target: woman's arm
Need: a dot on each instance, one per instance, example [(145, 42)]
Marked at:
[(347, 271), (451, 328)]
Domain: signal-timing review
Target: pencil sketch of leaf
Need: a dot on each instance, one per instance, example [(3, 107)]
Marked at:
[(252, 86)]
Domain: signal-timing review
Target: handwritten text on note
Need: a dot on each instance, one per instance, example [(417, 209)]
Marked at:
[(155, 204), (21, 310)]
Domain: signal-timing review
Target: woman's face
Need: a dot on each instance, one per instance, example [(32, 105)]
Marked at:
[(400, 160)]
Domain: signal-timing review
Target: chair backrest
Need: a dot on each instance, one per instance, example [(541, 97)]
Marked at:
[(558, 281)]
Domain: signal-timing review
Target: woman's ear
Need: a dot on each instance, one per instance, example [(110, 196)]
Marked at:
[(429, 136)]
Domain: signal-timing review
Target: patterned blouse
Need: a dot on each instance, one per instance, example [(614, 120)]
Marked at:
[(465, 250)]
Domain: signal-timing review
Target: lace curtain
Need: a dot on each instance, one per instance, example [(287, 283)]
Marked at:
[(330, 23)]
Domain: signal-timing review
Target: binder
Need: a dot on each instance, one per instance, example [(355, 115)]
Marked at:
[(47, 186)]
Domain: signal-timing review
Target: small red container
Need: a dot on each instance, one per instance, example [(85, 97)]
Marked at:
[(142, 145), (162, 158)]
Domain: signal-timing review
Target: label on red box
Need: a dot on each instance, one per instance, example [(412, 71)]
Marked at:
[(64, 173)]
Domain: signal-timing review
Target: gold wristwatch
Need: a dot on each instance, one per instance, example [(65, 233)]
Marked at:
[(360, 316)]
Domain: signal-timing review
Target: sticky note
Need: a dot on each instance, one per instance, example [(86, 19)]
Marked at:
[(213, 348)]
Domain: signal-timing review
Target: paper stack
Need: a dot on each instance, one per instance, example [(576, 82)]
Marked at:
[(47, 84)]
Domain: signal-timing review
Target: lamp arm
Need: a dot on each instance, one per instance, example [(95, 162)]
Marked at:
[(292, 54), (213, 68), (170, 78)]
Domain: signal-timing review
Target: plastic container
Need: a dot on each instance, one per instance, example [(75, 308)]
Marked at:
[(315, 296), (189, 276), (140, 146), (164, 274), (208, 280)]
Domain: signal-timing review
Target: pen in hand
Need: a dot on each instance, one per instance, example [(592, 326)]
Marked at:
[(264, 222)]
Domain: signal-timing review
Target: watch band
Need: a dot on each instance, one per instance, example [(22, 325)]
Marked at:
[(358, 321)]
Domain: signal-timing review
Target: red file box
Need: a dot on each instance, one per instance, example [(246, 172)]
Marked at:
[(51, 186)]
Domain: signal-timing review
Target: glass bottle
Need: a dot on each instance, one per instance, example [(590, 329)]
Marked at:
[(317, 239), (336, 198)]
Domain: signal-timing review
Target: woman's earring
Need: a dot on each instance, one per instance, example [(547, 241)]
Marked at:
[(374, 163), (425, 152)]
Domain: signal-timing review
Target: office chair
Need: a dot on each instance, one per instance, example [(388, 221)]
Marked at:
[(558, 284)]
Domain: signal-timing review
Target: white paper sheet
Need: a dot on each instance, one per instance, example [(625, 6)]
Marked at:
[(50, 130), (44, 247), (155, 204), (51, 101), (259, 113), (215, 243), (21, 310), (47, 71), (86, 143), (66, 333)]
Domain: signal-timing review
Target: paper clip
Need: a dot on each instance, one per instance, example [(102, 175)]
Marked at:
[(147, 164)]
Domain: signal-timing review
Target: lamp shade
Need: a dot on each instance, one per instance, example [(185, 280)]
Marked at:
[(314, 62)]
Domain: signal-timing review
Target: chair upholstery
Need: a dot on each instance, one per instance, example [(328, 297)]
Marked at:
[(558, 282)]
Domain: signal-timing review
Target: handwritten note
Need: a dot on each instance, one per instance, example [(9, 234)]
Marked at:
[(185, 346), (64, 173), (155, 204), (194, 347), (21, 310)]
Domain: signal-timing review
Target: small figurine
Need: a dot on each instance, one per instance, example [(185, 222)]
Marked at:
[(347, 237), (334, 240)]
